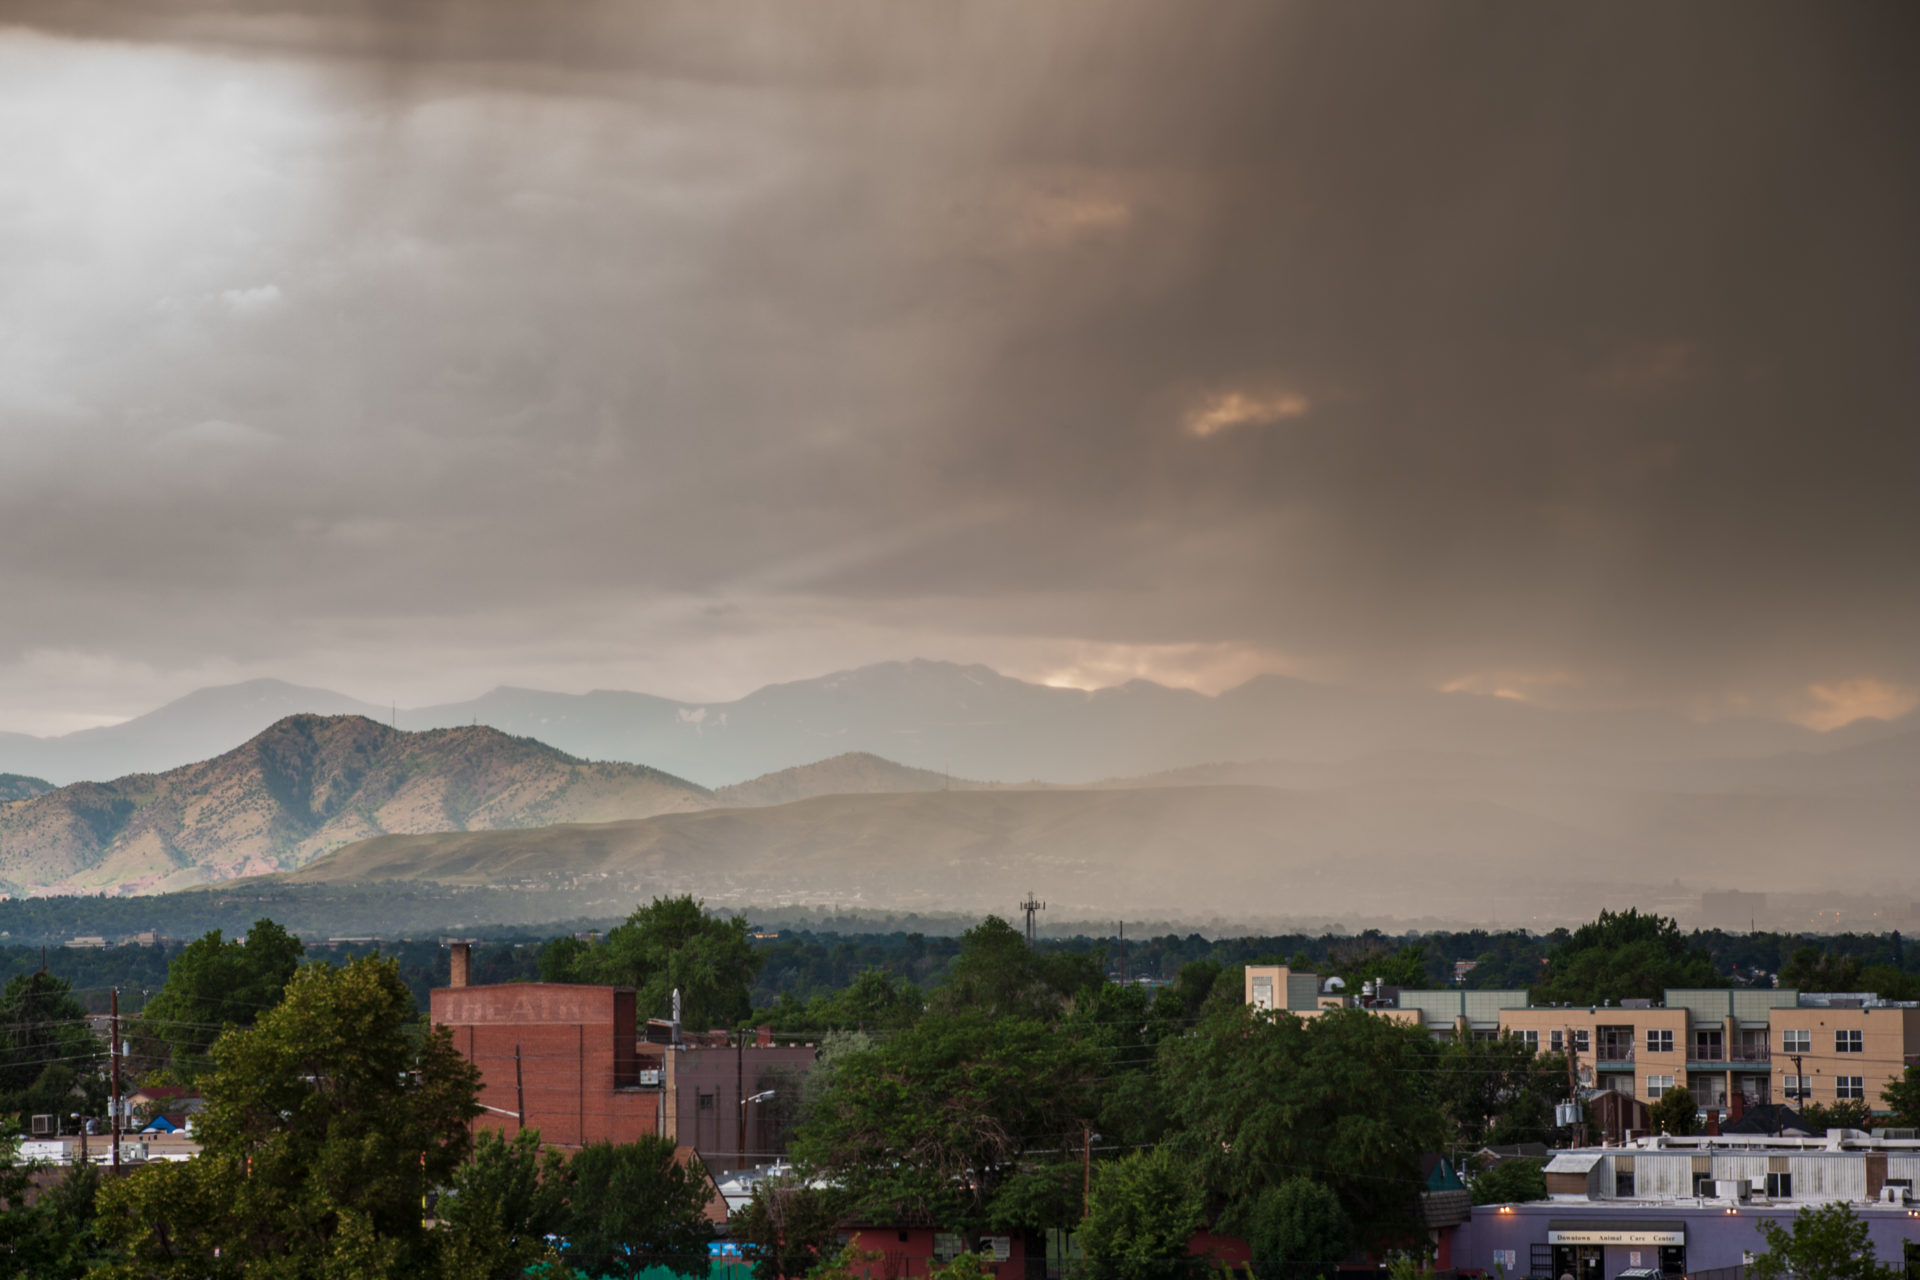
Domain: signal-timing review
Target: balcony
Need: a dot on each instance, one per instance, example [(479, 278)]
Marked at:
[(1614, 1057), (1750, 1057)]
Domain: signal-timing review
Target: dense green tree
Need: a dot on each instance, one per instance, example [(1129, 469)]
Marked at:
[(1140, 1222), (1399, 967), (1827, 1243), (1623, 955), (1297, 1229), (1848, 1113), (1127, 1026), (216, 983), (52, 1238), (1259, 1097), (998, 974), (1510, 1182), (1675, 1112), (1811, 969), (1902, 1097), (634, 1207), (875, 1000), (326, 1122), (789, 1228), (670, 944), (46, 1049), (1498, 1091), (946, 1124), (502, 1205)]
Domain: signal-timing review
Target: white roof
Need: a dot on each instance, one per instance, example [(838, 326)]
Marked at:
[(1573, 1162)]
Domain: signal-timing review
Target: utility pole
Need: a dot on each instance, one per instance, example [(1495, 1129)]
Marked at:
[(113, 1047), (1573, 1086), (519, 1090), (740, 1091), (1123, 953), (1030, 906)]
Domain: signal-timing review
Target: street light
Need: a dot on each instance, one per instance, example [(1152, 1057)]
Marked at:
[(758, 1097)]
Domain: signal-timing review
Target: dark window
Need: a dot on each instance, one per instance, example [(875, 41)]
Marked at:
[(706, 1102), (1847, 1042), (1780, 1186), (1623, 1184)]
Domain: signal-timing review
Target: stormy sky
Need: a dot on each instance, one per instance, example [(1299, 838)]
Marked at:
[(1564, 352)]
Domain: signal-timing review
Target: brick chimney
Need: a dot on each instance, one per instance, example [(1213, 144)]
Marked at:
[(1736, 1106), (1713, 1122), (763, 1038), (462, 966)]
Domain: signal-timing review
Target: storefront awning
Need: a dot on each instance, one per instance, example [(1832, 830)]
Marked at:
[(1615, 1231)]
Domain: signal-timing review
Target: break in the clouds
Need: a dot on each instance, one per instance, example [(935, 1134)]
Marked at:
[(1562, 353)]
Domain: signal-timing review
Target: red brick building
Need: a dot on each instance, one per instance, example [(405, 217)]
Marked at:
[(559, 1058)]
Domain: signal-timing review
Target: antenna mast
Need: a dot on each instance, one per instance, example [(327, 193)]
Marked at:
[(1030, 906)]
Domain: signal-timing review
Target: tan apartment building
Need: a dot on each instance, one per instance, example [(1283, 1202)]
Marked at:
[(1763, 1045)]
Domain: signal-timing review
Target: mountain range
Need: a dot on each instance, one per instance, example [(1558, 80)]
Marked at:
[(963, 720), (306, 785)]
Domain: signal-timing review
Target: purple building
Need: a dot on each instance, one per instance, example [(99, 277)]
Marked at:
[(1684, 1207)]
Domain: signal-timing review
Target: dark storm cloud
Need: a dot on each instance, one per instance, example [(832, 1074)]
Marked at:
[(1424, 342)]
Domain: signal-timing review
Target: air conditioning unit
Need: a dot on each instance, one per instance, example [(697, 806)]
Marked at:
[(1732, 1189), (45, 1127), (1759, 1185), (1895, 1195), (650, 1076)]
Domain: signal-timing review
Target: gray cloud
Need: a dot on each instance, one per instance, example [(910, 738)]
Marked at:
[(1567, 351)]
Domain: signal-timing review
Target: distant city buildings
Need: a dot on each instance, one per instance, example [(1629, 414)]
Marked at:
[(1731, 1048)]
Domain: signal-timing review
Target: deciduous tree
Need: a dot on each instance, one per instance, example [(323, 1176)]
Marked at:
[(1622, 955), (1902, 1097), (217, 983), (633, 1207), (1827, 1243), (1344, 1098), (669, 944), (46, 1048), (1675, 1112), (1510, 1182), (325, 1124), (944, 1124), (998, 974), (1298, 1230), (1145, 1209)]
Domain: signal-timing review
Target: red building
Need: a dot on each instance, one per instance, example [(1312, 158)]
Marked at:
[(558, 1058)]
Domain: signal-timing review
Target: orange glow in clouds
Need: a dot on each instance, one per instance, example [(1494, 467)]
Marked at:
[(1233, 409)]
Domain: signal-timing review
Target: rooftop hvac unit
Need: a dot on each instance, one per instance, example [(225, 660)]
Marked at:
[(1734, 1189), (1895, 1195), (44, 1127)]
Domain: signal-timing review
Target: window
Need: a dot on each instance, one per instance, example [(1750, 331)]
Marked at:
[(1657, 1086), (1623, 1184), (1263, 993), (1556, 1041), (1845, 1087), (1582, 1041), (1780, 1186), (1531, 1039), (1846, 1042), (1796, 1086), (1659, 1041), (1796, 1041), (1708, 1046)]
